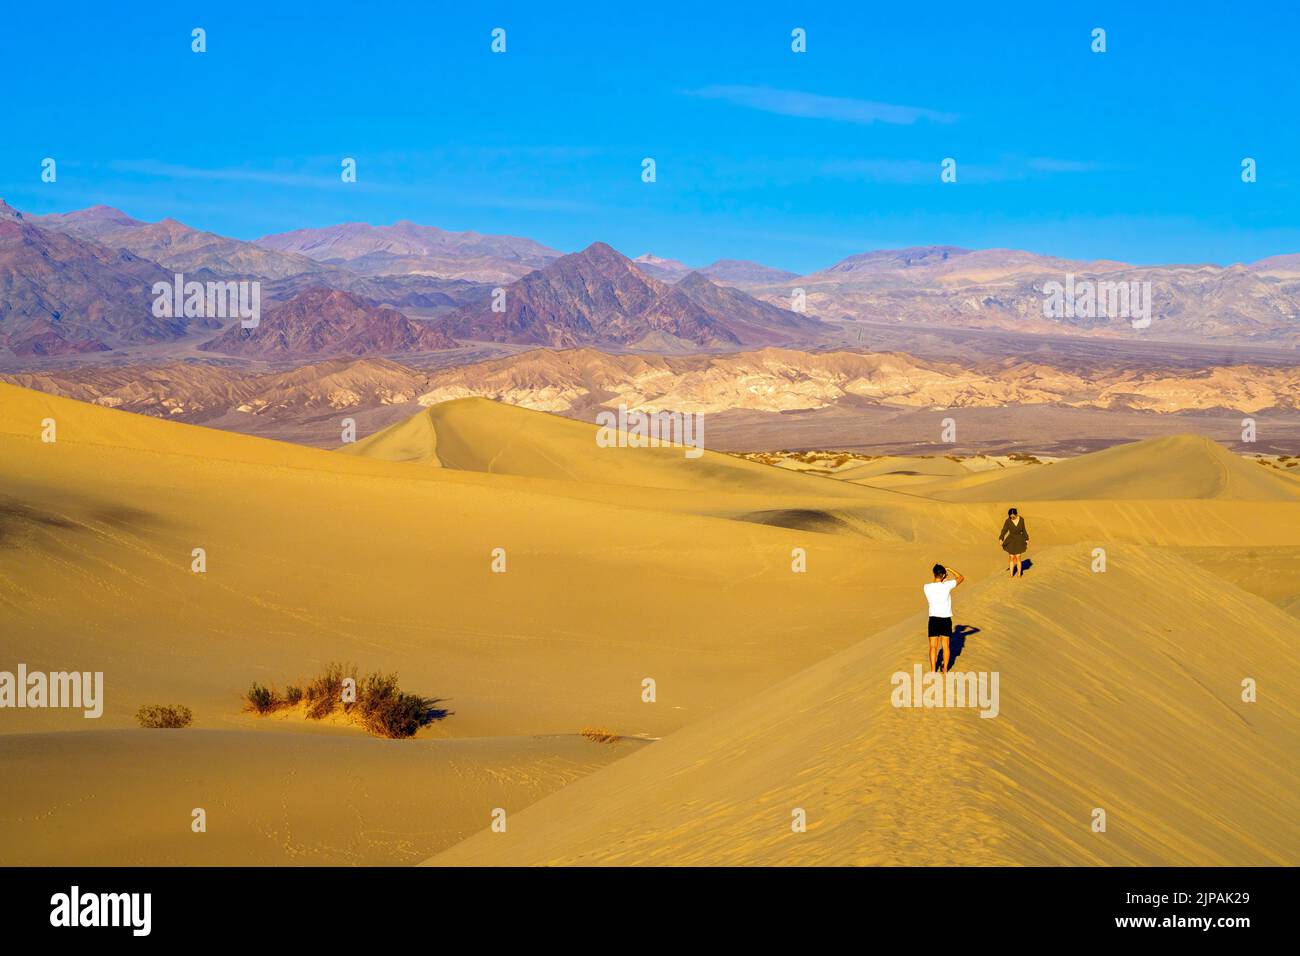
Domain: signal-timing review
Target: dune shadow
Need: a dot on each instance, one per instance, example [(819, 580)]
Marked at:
[(17, 518), (957, 642), (13, 516), (125, 518), (799, 519)]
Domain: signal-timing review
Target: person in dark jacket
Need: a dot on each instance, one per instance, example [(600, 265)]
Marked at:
[(1015, 540)]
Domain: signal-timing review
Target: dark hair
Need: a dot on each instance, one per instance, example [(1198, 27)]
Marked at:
[(1012, 511), (939, 570)]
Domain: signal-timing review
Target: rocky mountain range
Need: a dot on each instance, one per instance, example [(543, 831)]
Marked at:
[(89, 223), (600, 297), (575, 381), (783, 380), (199, 392), (60, 294), (732, 272), (1010, 290), (323, 322), (285, 273), (79, 282), (408, 248), (178, 247)]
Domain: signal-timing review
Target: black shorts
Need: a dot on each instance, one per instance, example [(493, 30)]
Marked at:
[(941, 627)]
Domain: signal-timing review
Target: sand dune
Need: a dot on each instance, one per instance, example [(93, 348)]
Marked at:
[(1180, 466), (314, 556), (476, 434), (1116, 692), (270, 799), (1120, 689)]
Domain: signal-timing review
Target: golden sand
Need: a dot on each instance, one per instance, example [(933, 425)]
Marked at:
[(1120, 690)]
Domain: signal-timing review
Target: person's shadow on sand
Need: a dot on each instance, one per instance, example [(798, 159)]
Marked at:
[(1025, 565), (958, 640)]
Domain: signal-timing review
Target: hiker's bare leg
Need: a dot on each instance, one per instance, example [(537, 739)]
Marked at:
[(947, 655), (934, 649), (1019, 570)]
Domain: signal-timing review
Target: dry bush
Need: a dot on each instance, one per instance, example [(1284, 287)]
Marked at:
[(381, 707), (388, 711), (263, 699), (599, 734), (164, 716), (325, 693)]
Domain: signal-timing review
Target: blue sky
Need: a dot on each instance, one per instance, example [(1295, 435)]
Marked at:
[(795, 160)]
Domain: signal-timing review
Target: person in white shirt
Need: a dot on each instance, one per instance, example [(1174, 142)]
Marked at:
[(938, 593)]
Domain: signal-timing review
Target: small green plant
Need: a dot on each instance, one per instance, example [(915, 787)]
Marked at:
[(293, 695), (164, 716)]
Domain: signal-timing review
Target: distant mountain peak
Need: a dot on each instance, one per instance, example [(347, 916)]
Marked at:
[(693, 280), (93, 222), (61, 293), (407, 247), (322, 321), (650, 258), (598, 296), (602, 250), (102, 213), (909, 257)]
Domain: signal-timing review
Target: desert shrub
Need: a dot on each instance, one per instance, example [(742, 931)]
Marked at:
[(325, 692), (381, 707), (262, 699), (599, 734), (164, 716), (388, 711)]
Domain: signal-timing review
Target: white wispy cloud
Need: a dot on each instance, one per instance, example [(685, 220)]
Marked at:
[(816, 106), (149, 167), (1005, 169), (423, 186)]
